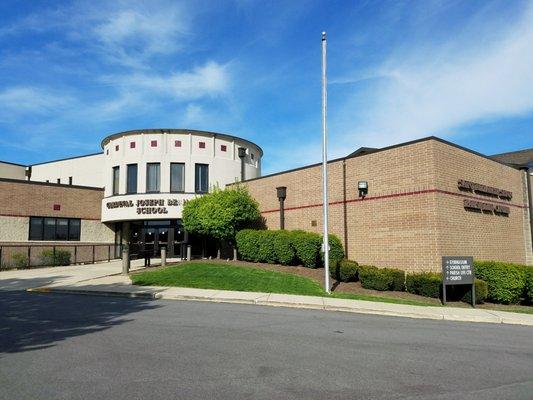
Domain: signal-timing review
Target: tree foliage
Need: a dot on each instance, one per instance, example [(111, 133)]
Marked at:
[(221, 214)]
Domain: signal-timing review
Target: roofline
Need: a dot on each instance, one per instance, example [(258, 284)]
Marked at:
[(12, 163), (65, 159), (511, 152), (380, 150), (63, 185), (175, 130)]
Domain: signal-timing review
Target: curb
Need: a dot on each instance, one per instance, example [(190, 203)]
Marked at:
[(493, 319), (139, 295)]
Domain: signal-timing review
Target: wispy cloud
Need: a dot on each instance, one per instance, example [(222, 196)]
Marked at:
[(437, 88)]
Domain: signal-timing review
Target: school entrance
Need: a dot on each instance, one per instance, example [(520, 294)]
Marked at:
[(150, 236)]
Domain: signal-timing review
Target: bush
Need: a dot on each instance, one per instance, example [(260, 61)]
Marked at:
[(282, 246), (266, 250), (426, 284), (345, 271), (20, 260), (481, 292), (506, 282), (307, 247), (529, 285), (248, 244), (336, 251), (62, 257), (381, 278)]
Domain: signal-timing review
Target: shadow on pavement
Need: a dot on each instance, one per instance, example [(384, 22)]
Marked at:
[(31, 321)]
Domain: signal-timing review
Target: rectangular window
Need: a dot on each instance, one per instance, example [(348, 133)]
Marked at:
[(49, 231), (177, 177), (152, 177), (132, 145), (177, 143), (36, 228), (116, 147), (116, 179), (70, 180), (131, 179), (55, 229), (153, 143), (201, 178), (201, 145), (223, 147)]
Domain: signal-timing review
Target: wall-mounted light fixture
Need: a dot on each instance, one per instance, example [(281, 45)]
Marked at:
[(242, 154), (363, 188), (282, 195)]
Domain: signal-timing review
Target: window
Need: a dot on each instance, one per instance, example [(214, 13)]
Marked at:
[(116, 179), (70, 180), (153, 143), (201, 145), (131, 178), (152, 177), (55, 228), (177, 177), (223, 147), (252, 156), (132, 145), (116, 147), (201, 177), (177, 143)]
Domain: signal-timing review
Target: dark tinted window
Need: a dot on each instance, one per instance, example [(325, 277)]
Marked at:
[(132, 179), (152, 177), (116, 179), (74, 229), (177, 177), (61, 229), (49, 229), (36, 228), (201, 177)]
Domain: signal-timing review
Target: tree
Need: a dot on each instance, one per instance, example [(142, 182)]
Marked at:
[(221, 214)]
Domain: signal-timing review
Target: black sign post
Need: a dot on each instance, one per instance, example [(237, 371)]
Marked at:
[(458, 271)]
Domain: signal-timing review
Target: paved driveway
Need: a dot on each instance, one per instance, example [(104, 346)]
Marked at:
[(31, 278)]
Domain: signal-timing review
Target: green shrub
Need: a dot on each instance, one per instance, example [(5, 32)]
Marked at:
[(62, 257), (529, 285), (307, 247), (381, 278), (481, 292), (336, 251), (426, 284), (506, 282), (266, 250), (248, 244), (282, 246), (345, 271), (20, 260)]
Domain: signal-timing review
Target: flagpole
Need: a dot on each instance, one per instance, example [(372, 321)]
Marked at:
[(325, 243)]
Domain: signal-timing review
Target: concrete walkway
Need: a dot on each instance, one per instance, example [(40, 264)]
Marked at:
[(106, 280)]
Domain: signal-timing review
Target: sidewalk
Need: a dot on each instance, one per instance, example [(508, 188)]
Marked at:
[(119, 285)]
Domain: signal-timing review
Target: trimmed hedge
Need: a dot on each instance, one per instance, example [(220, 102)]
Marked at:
[(381, 278), (482, 290), (345, 271), (286, 247), (529, 285), (426, 284), (307, 246), (336, 251), (506, 282)]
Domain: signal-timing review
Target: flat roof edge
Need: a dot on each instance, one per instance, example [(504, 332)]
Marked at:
[(62, 185), (66, 159)]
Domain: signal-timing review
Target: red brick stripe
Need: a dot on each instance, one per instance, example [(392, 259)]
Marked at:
[(388, 196)]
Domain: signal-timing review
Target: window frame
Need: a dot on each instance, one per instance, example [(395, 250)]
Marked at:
[(115, 185), (158, 190), (182, 177), (128, 166), (197, 174), (73, 229)]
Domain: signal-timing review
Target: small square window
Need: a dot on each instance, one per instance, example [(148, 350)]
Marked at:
[(177, 143), (116, 147), (57, 207), (153, 143), (223, 147), (201, 145), (132, 145)]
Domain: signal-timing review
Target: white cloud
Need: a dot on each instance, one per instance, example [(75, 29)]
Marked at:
[(436, 89), (20, 100)]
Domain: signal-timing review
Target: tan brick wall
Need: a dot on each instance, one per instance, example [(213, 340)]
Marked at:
[(406, 220), (27, 199)]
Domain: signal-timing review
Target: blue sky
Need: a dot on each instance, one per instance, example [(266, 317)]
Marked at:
[(73, 72)]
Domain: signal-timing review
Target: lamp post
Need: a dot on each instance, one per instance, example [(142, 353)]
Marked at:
[(325, 243), (242, 154), (282, 195)]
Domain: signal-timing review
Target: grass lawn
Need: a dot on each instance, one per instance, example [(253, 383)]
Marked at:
[(230, 277)]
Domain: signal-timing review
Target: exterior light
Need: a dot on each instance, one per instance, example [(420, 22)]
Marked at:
[(363, 188), (282, 195), (282, 192)]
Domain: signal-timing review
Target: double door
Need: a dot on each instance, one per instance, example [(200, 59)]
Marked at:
[(150, 236)]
